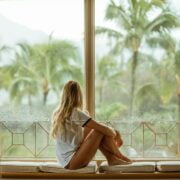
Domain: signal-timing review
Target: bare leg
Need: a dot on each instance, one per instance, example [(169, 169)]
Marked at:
[(108, 147), (86, 150), (111, 158)]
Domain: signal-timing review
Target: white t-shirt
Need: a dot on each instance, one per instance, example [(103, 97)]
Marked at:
[(68, 142)]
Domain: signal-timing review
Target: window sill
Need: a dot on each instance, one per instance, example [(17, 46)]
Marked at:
[(39, 175), (45, 175)]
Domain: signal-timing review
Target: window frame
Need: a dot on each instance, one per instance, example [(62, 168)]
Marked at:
[(89, 65), (89, 49)]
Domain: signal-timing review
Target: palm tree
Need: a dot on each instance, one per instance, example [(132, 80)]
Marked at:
[(22, 79), (107, 80), (107, 74), (43, 67), (135, 27), (56, 62), (171, 60)]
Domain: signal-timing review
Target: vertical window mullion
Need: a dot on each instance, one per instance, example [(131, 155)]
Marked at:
[(89, 7)]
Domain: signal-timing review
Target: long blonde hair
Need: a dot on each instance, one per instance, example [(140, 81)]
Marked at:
[(71, 98)]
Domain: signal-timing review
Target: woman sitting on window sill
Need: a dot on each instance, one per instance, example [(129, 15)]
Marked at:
[(78, 136)]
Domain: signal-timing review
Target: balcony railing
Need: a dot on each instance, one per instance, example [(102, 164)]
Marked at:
[(142, 139)]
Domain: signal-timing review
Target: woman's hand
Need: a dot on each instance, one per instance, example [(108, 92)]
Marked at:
[(118, 139)]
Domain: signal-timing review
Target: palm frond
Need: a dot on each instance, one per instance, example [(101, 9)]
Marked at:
[(164, 41), (110, 32), (165, 20), (117, 13), (118, 48)]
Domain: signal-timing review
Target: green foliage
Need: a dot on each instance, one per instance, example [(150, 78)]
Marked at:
[(135, 29), (147, 98), (108, 112), (41, 68), (177, 62)]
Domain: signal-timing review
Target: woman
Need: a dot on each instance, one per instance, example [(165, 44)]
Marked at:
[(78, 136)]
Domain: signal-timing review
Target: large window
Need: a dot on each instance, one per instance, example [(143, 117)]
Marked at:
[(41, 47), (138, 74)]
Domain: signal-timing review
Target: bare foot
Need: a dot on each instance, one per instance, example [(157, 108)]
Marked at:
[(124, 158), (118, 161)]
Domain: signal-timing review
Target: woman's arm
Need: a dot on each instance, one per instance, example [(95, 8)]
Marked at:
[(101, 128)]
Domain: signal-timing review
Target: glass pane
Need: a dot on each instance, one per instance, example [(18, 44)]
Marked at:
[(41, 48), (138, 74)]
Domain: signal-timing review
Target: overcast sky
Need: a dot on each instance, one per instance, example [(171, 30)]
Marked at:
[(63, 17), (47, 15)]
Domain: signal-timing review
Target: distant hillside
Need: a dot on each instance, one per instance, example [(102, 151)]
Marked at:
[(12, 33)]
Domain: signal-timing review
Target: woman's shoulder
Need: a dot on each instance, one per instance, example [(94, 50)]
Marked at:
[(74, 113), (77, 110)]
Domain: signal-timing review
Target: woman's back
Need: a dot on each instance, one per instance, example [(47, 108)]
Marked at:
[(71, 136)]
